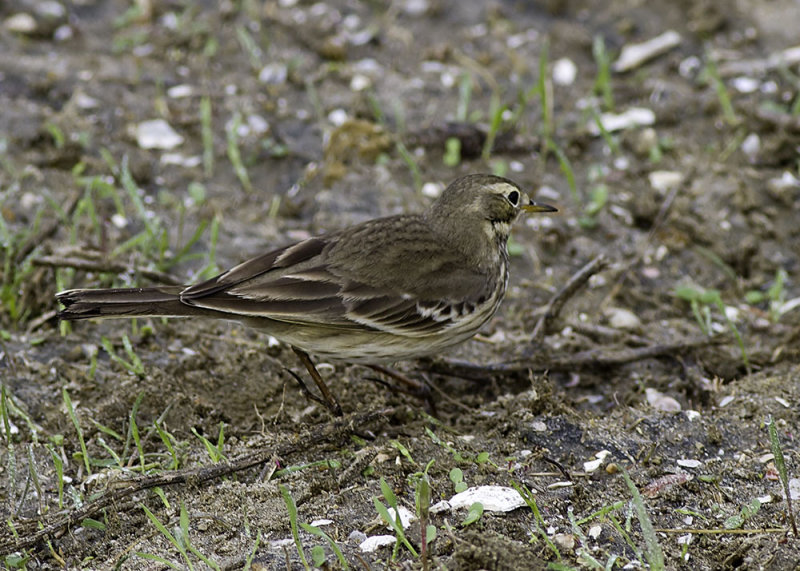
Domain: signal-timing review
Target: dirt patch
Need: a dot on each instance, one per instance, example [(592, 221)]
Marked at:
[(287, 119)]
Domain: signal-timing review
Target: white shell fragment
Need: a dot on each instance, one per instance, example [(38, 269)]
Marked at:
[(375, 542), (157, 134), (634, 55), (406, 517), (633, 117), (689, 463), (493, 498)]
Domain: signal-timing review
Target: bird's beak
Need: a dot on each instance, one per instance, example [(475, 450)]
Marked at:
[(534, 206)]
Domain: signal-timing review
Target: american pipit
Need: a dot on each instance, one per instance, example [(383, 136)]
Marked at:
[(385, 290)]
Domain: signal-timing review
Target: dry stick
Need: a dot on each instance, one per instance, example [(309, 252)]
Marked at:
[(53, 527), (556, 303), (582, 360), (104, 266), (47, 230)]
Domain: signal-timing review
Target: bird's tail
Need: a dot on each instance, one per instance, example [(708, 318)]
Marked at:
[(124, 302)]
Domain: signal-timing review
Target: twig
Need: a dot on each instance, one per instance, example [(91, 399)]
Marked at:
[(47, 230), (59, 523), (556, 303), (105, 267), (582, 360)]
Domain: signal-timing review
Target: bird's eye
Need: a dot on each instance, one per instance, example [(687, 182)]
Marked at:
[(513, 197)]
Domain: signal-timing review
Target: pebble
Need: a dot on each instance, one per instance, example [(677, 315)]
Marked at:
[(564, 72), (664, 181), (751, 146), (620, 318), (633, 117), (157, 134), (660, 401), (20, 23)]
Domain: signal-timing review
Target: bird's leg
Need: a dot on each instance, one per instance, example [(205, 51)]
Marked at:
[(327, 396)]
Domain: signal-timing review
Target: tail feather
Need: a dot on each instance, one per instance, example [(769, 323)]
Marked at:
[(124, 302)]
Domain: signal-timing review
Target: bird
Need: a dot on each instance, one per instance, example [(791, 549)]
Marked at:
[(385, 290)]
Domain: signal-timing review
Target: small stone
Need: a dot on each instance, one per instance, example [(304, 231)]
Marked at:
[(360, 82), (180, 91), (20, 23), (751, 146), (157, 134), (337, 117), (633, 117), (565, 541), (662, 402), (620, 318), (564, 72), (745, 84), (273, 73), (432, 189), (665, 181)]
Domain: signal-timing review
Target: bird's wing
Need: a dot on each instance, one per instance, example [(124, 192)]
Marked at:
[(307, 285)]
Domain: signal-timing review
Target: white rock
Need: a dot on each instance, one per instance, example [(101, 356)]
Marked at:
[(21, 23), (320, 522), (375, 542), (432, 189), (181, 160), (660, 401), (416, 7), (620, 318), (493, 498), (633, 117), (273, 73), (157, 134), (180, 91), (337, 117), (634, 55), (51, 9), (564, 71), (360, 82), (751, 146), (565, 541), (744, 84), (664, 181)]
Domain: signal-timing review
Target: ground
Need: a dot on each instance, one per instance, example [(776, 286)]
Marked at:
[(652, 417)]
